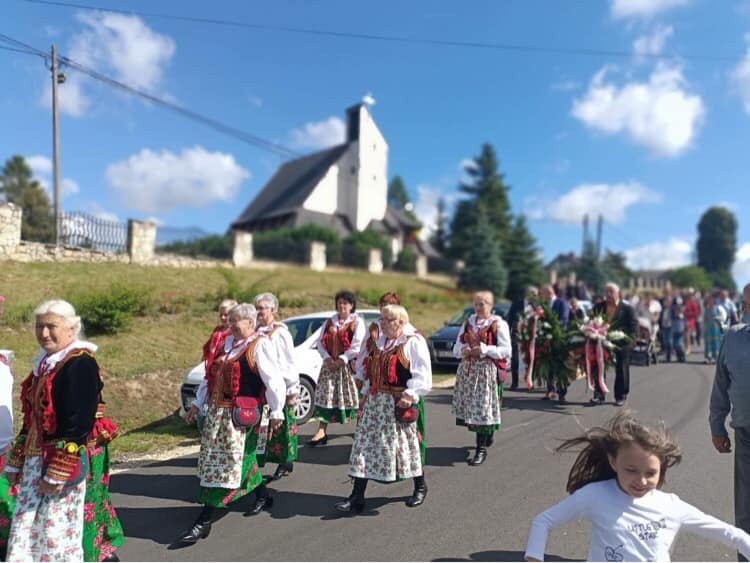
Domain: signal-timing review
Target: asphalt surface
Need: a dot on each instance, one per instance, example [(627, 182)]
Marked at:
[(471, 513)]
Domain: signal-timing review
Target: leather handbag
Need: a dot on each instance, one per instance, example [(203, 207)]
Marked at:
[(245, 412), (406, 414)]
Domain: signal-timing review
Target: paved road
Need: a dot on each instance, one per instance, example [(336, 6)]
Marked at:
[(471, 514)]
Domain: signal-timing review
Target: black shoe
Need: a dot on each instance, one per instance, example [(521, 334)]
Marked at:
[(561, 400), (319, 442), (112, 557), (262, 503), (419, 494), (282, 470), (199, 531), (479, 456), (352, 504), (513, 387)]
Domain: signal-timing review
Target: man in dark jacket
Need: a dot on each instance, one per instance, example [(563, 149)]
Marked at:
[(515, 313), (621, 316)]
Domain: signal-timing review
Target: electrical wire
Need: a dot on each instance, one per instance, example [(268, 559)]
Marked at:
[(572, 51), (239, 134)]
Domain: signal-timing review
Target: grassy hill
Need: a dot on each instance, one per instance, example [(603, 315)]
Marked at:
[(144, 365)]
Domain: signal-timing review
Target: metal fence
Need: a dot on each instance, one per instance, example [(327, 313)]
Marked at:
[(86, 231)]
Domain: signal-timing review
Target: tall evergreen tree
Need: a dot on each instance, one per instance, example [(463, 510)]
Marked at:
[(717, 244), (522, 260), (16, 182), (439, 239), (398, 196), (488, 193), (484, 267)]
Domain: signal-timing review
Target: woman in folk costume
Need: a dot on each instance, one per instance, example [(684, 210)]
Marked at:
[(336, 396), (482, 343), (63, 511), (7, 498), (282, 447), (396, 374), (245, 397)]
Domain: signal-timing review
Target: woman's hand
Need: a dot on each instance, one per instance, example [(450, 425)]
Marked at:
[(13, 478), (329, 362), (404, 402), (292, 400), (465, 352), (47, 488), (191, 415), (275, 424)]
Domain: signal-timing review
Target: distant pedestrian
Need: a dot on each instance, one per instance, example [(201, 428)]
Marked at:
[(615, 483), (621, 316), (517, 312), (728, 303), (559, 307), (731, 393), (714, 322)]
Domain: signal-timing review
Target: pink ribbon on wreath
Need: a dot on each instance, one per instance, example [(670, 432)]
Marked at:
[(592, 332), (532, 352)]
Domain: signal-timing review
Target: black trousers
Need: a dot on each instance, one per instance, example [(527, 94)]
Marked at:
[(622, 374), (514, 360)]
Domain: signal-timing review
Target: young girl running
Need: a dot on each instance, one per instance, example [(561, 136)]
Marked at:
[(615, 483)]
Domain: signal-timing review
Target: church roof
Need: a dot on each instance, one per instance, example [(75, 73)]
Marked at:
[(288, 189)]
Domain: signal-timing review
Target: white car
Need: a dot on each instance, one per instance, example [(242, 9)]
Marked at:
[(305, 331)]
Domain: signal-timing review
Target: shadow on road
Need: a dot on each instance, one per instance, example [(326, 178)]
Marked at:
[(535, 403), (326, 455), (189, 461), (447, 456), (174, 487), (288, 504), (501, 556)]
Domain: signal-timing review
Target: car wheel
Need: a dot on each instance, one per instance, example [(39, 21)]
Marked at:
[(304, 409)]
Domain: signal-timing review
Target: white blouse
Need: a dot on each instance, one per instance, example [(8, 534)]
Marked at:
[(282, 341)]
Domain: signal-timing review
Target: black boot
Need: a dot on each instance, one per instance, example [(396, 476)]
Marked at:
[(200, 529), (481, 453), (262, 501), (283, 470), (356, 500), (419, 494)]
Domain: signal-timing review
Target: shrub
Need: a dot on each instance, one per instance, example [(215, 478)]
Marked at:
[(357, 248), (111, 311), (292, 244), (213, 246), (406, 261)]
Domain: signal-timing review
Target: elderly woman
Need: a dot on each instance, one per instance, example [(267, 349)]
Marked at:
[(282, 447), (336, 396), (396, 374), (63, 511), (482, 342), (243, 391)]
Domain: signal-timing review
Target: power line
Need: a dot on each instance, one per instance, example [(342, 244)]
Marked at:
[(243, 136), (573, 51), (24, 51)]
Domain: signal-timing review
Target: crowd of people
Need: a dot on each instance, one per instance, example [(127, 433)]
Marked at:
[(54, 495)]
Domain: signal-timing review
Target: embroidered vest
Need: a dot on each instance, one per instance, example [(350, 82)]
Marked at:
[(337, 341), (388, 371), (225, 380), (486, 335)]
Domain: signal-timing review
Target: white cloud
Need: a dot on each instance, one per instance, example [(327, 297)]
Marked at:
[(741, 77), (120, 45), (609, 200), (741, 267), (320, 134), (467, 164), (659, 114), (152, 182), (368, 99), (426, 207), (100, 213), (653, 44), (626, 9), (41, 169), (674, 253)]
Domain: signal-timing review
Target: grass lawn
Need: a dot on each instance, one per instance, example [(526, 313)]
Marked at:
[(144, 366)]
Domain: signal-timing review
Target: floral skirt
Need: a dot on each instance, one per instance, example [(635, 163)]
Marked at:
[(226, 473), (46, 527), (282, 446), (336, 395), (102, 531), (7, 504), (477, 397), (384, 449)]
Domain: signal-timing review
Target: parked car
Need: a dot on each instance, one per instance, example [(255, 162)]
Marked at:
[(305, 330), (441, 343)]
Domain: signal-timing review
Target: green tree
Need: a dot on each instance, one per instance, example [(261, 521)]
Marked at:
[(522, 260), (214, 246), (691, 276), (357, 247), (614, 268), (398, 197), (484, 267), (717, 244), (439, 239), (487, 193), (16, 182)]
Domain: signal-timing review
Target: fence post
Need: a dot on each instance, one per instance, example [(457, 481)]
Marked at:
[(141, 241), (375, 261), (242, 253), (317, 256), (421, 266), (10, 228)]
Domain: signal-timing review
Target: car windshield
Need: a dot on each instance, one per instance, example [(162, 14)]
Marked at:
[(301, 329), (460, 318)]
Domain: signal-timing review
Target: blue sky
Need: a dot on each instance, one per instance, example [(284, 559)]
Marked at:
[(650, 142)]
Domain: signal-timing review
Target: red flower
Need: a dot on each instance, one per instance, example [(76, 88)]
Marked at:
[(88, 511)]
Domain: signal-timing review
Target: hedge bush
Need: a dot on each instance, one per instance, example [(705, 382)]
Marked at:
[(357, 247), (291, 244), (406, 261), (111, 310)]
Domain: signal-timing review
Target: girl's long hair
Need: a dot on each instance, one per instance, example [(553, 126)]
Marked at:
[(598, 443)]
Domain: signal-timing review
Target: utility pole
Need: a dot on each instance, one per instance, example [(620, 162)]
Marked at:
[(599, 224), (57, 78)]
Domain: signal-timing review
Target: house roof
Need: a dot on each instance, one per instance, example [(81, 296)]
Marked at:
[(288, 189)]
